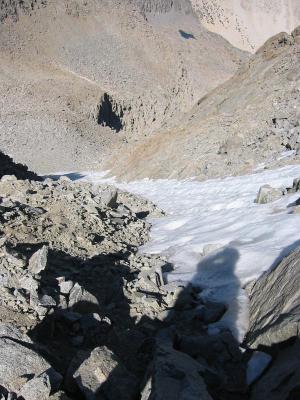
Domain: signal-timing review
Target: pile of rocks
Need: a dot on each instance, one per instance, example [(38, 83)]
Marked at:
[(83, 315)]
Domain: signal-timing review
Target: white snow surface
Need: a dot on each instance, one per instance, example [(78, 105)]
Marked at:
[(217, 237)]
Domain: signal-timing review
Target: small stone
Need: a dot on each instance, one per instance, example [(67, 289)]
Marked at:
[(268, 194), (47, 301), (38, 261), (66, 287), (296, 184), (37, 388)]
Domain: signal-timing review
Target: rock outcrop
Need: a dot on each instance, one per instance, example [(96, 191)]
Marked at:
[(274, 327), (275, 304)]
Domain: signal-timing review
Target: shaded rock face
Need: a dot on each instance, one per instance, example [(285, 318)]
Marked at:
[(110, 114), (20, 171)]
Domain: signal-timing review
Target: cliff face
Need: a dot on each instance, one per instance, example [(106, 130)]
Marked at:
[(248, 24)]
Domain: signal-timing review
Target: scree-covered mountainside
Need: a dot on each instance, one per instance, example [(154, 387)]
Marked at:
[(149, 200)]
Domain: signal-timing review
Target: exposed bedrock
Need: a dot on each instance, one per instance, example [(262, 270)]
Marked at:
[(274, 328)]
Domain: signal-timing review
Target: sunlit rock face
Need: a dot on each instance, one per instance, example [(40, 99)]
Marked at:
[(248, 24)]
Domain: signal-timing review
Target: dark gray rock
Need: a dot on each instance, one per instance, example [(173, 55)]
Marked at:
[(275, 304), (296, 184), (211, 312), (174, 375), (100, 371), (19, 360), (282, 380)]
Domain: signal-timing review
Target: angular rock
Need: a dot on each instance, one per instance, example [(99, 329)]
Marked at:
[(82, 301), (101, 370), (59, 396), (11, 331), (18, 361), (174, 375), (275, 304), (37, 388), (281, 381), (38, 261), (268, 194), (66, 286), (296, 184), (106, 196)]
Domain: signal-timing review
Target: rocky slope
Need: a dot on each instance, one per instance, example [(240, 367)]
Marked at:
[(74, 73), (82, 315), (248, 24), (249, 120)]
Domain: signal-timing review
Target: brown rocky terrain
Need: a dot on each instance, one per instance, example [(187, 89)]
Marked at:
[(250, 119), (69, 67), (145, 89)]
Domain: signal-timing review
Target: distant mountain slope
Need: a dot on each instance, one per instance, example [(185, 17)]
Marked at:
[(248, 23), (249, 120), (69, 67)]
